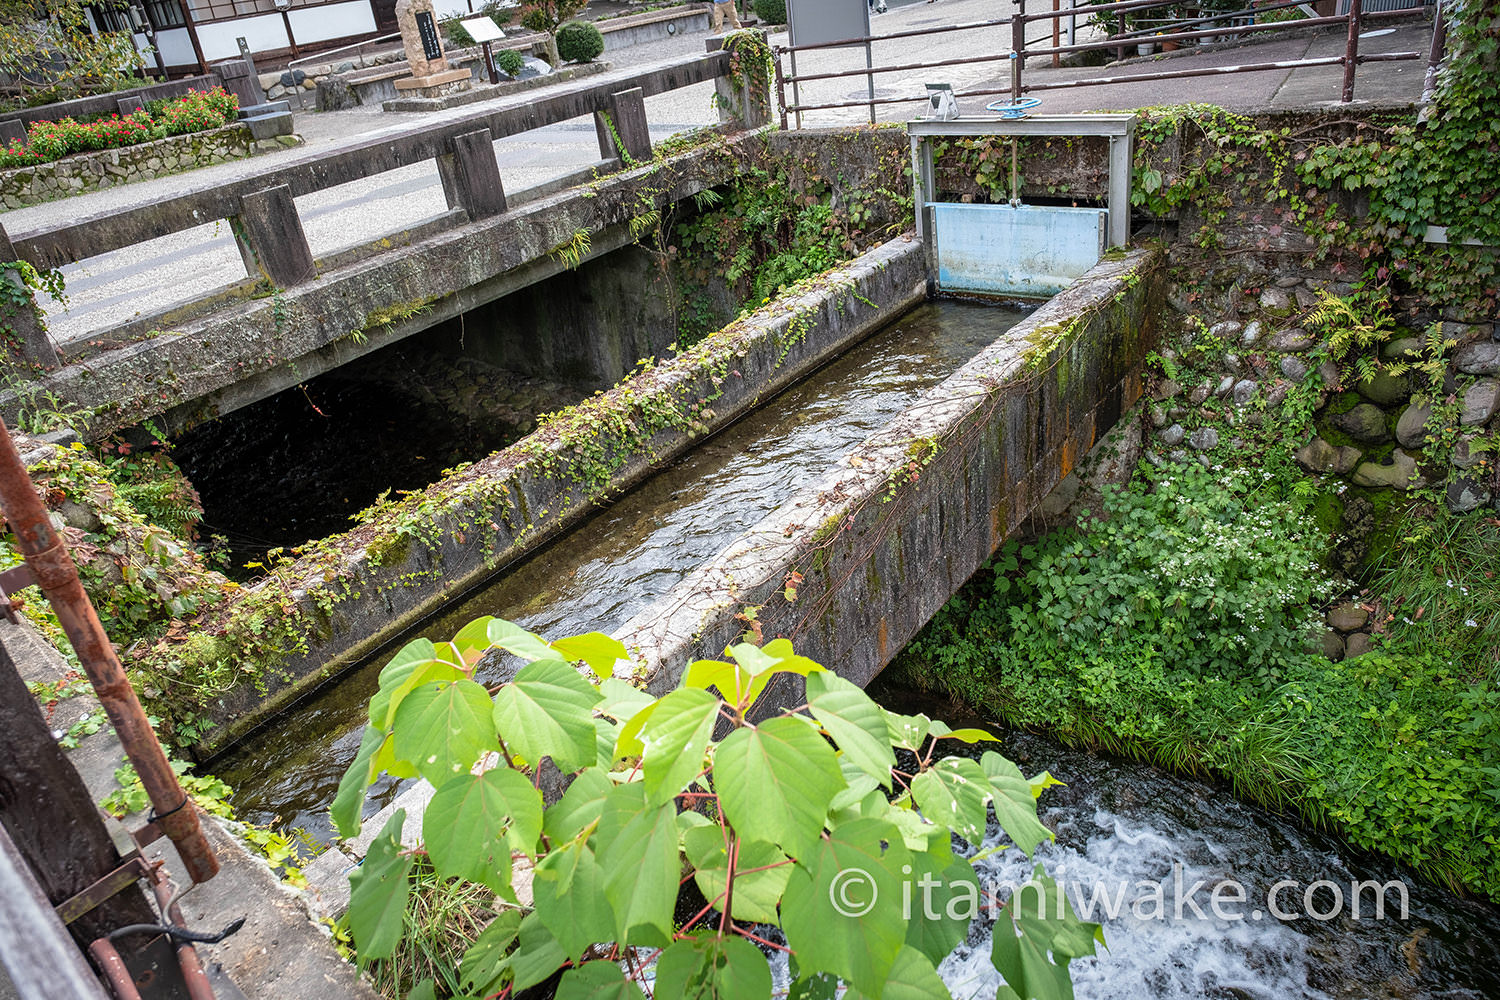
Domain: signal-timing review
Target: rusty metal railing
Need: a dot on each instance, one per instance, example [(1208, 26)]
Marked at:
[(1178, 30), (173, 812)]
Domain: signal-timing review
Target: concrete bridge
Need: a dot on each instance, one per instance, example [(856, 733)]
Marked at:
[(293, 316)]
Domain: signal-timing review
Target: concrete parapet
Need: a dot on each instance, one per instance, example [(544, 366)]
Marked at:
[(364, 588), (885, 538)]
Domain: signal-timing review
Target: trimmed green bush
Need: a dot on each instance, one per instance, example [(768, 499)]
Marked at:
[(510, 62), (771, 11), (579, 42)]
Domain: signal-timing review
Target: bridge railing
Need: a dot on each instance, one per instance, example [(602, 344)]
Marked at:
[(263, 216)]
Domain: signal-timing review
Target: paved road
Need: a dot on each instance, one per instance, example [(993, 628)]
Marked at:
[(116, 286)]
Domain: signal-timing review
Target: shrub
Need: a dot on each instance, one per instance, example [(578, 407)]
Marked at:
[(195, 111), (771, 11), (579, 42), (510, 62)]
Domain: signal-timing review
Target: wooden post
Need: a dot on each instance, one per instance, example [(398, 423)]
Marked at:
[(624, 134), (270, 237), (471, 175), (41, 961), (51, 817), (192, 30), (32, 344)]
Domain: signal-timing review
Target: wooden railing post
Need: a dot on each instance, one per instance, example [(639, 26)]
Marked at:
[(471, 175), (745, 103), (20, 318), (623, 130), (270, 237)]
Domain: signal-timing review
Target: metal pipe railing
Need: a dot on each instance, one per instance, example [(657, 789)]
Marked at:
[(1019, 52), (48, 559)]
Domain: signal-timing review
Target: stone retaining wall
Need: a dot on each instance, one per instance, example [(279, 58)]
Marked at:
[(127, 164)]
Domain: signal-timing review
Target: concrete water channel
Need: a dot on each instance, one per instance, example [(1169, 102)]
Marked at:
[(636, 550)]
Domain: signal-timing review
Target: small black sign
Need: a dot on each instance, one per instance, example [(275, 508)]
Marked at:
[(431, 47)]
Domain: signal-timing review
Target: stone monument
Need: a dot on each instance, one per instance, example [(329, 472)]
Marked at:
[(430, 75)]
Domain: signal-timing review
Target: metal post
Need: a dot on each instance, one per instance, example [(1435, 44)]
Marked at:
[(55, 573), (1056, 33), (1434, 57), (796, 93), (870, 77), (781, 88), (1351, 49), (1017, 49)]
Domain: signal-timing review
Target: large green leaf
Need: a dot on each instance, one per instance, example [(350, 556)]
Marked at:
[(473, 640), (547, 711), (514, 639), (580, 805), (597, 981), (909, 731), (349, 802), (854, 721), (568, 889), (954, 791), (843, 908), (425, 990), (775, 782), (396, 684), (638, 856), (756, 893), (1032, 948), (1015, 805), (621, 700), (941, 912), (939, 730), (444, 728), (596, 649), (475, 820), (710, 967), (485, 961), (675, 738), (377, 893), (537, 954), (913, 977)]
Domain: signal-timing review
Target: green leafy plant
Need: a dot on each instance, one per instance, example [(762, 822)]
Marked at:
[(195, 111), (510, 62), (771, 11), (766, 821), (547, 16), (579, 42)]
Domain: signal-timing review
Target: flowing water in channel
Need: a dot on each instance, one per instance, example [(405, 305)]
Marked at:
[(1120, 824), (599, 575)]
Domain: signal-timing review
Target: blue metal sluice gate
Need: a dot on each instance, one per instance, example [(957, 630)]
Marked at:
[(1017, 249)]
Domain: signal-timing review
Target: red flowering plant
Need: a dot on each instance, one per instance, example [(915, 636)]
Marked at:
[(195, 111)]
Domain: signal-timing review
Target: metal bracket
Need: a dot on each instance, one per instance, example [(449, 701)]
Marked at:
[(130, 870), (14, 579)]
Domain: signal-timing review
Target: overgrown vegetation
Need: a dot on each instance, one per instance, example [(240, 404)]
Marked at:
[(675, 855), (764, 233), (1176, 629)]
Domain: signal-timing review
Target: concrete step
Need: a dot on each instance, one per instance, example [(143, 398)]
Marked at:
[(268, 108), (269, 126)]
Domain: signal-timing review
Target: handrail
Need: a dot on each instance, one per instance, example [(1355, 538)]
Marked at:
[(325, 54), (1019, 51), (317, 170)]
